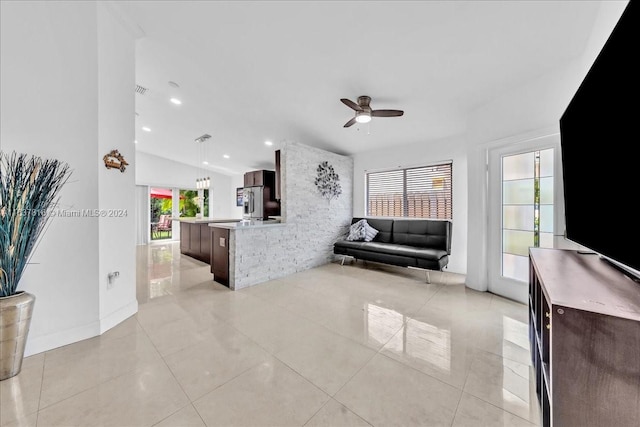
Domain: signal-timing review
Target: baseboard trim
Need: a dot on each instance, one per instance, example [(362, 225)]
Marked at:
[(118, 316), (47, 342)]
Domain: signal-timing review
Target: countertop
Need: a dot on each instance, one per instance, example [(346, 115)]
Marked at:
[(244, 224), (192, 220)]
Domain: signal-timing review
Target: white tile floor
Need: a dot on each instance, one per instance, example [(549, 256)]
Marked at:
[(352, 345)]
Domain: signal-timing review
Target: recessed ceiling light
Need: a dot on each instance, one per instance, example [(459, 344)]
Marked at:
[(146, 129), (268, 143), (135, 141), (226, 156), (205, 163), (175, 101)]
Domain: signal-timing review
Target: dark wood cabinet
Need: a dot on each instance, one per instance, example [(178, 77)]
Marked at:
[(205, 243), (584, 330), (260, 178), (194, 232), (278, 183), (195, 240), (248, 179), (220, 255), (185, 238), (254, 178)]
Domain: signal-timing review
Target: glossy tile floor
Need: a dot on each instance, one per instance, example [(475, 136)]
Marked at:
[(352, 345)]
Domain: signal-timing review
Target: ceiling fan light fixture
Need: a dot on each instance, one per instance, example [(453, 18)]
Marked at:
[(363, 117), (364, 113)]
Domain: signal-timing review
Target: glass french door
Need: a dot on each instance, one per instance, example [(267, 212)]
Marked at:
[(523, 188), (160, 212)]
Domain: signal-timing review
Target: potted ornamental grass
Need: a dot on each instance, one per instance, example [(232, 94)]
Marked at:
[(29, 189)]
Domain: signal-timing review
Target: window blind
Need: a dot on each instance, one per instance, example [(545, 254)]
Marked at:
[(419, 192)]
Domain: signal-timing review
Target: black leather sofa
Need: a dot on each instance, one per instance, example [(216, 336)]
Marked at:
[(419, 243)]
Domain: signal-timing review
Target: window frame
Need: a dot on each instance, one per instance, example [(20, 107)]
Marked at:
[(406, 189)]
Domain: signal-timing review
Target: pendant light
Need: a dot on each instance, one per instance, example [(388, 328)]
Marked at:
[(202, 182)]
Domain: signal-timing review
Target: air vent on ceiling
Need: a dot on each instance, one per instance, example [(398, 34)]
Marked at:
[(203, 138), (141, 90)]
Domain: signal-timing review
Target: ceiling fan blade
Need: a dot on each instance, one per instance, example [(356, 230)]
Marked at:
[(350, 122), (349, 103), (387, 113)]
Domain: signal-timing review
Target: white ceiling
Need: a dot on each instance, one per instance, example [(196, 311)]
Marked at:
[(252, 71)]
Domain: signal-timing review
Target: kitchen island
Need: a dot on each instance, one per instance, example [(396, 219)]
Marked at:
[(229, 262), (195, 236)]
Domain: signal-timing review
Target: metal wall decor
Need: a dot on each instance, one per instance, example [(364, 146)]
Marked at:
[(115, 160), (328, 181)]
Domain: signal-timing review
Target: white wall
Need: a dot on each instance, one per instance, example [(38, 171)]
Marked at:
[(157, 171), (420, 154), (142, 214), (529, 111), (116, 190), (236, 181), (539, 103), (50, 106)]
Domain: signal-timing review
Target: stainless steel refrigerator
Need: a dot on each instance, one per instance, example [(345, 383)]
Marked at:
[(258, 203)]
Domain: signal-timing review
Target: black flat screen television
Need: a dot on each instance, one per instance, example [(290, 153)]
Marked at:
[(600, 140)]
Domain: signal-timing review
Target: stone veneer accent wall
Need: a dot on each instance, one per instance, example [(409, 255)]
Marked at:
[(311, 223)]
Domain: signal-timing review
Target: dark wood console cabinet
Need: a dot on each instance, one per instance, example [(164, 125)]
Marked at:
[(195, 240), (584, 330)]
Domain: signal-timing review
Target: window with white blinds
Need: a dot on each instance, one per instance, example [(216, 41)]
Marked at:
[(419, 192)]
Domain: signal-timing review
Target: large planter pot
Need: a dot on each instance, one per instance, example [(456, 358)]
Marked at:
[(15, 318)]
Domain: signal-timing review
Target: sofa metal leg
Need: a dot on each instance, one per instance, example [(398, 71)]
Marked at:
[(344, 257), (428, 277)]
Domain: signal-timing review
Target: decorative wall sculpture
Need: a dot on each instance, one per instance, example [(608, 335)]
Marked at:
[(328, 181), (115, 160)]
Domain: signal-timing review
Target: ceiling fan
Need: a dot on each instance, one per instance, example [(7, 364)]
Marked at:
[(364, 113)]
